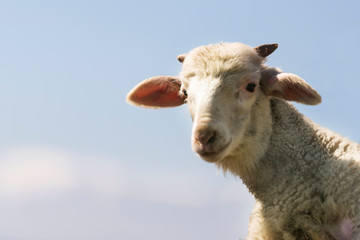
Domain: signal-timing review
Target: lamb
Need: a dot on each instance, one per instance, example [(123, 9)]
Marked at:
[(304, 177)]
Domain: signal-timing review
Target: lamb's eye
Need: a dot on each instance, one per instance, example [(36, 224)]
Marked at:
[(251, 87)]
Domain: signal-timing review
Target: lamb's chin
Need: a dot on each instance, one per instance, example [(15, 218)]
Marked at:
[(215, 156), (210, 157)]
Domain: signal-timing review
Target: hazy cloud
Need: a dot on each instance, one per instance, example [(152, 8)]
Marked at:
[(51, 193), (35, 171)]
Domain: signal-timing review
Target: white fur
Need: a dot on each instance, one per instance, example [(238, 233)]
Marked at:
[(305, 178)]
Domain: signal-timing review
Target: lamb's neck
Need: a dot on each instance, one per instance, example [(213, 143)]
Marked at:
[(292, 132), (294, 136), (296, 145), (294, 142), (286, 139)]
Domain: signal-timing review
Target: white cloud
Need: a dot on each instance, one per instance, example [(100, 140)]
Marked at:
[(40, 172), (50, 193), (33, 171)]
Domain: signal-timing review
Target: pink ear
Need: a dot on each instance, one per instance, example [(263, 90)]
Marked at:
[(289, 87), (156, 92)]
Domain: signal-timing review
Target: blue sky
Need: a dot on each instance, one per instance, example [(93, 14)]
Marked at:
[(77, 162)]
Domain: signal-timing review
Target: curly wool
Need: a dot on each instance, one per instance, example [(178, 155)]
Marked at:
[(306, 182)]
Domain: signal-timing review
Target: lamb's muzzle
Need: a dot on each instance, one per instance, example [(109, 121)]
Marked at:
[(209, 143)]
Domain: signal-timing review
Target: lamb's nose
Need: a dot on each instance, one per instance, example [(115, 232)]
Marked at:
[(205, 138)]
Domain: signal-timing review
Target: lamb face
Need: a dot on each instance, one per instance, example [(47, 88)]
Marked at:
[(221, 85)]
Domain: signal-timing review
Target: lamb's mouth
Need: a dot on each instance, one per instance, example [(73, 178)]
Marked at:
[(213, 156)]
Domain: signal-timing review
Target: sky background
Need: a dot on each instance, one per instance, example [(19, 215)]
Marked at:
[(77, 162)]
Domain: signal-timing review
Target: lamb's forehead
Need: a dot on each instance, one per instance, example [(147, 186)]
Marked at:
[(220, 58)]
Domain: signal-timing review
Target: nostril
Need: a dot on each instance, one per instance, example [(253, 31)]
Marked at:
[(212, 138), (206, 138)]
